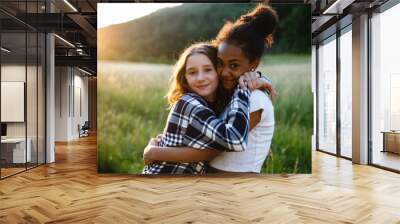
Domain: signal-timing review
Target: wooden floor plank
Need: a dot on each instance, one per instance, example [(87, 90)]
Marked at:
[(71, 191)]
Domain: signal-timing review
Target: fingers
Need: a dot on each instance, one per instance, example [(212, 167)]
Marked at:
[(242, 82), (147, 156), (255, 77), (268, 86), (254, 81), (147, 161), (159, 138), (273, 94), (250, 78), (272, 91), (154, 142)]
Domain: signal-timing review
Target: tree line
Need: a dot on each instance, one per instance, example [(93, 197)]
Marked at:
[(162, 35)]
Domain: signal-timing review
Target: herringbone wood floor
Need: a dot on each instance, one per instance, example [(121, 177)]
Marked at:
[(71, 191)]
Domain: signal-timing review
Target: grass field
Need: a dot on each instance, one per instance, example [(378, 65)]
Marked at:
[(132, 109)]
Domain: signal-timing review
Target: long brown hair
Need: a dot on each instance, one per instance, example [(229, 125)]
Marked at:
[(178, 83)]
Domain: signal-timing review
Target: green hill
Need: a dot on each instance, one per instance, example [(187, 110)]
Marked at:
[(162, 35)]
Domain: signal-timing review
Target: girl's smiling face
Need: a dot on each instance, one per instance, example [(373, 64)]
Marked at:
[(232, 64), (201, 76)]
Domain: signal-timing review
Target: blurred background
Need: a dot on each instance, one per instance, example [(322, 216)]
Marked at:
[(135, 61)]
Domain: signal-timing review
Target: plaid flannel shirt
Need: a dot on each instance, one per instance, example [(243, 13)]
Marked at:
[(192, 123)]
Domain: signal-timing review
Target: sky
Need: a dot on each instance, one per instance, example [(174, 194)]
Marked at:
[(115, 13)]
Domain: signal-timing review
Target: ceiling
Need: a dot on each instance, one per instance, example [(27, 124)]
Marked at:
[(328, 16), (74, 22)]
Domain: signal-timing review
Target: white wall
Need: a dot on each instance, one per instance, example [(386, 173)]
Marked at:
[(13, 73), (62, 81), (80, 102), (71, 87)]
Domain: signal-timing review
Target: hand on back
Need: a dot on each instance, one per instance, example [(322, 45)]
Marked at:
[(253, 80), (147, 151)]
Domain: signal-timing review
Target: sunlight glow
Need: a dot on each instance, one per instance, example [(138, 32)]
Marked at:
[(115, 13)]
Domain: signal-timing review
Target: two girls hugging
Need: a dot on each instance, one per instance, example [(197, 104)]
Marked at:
[(222, 117)]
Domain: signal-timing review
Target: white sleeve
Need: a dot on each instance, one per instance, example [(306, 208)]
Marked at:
[(258, 100)]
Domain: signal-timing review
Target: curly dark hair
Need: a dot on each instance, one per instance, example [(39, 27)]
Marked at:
[(251, 32)]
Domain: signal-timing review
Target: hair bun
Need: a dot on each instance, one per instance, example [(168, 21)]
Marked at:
[(246, 18), (251, 32), (263, 20)]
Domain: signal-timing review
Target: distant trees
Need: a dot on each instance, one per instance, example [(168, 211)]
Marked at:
[(162, 35)]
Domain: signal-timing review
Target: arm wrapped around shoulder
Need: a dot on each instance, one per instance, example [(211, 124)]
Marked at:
[(206, 131)]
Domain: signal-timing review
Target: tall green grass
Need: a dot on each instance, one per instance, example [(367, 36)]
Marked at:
[(132, 109), (291, 143)]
